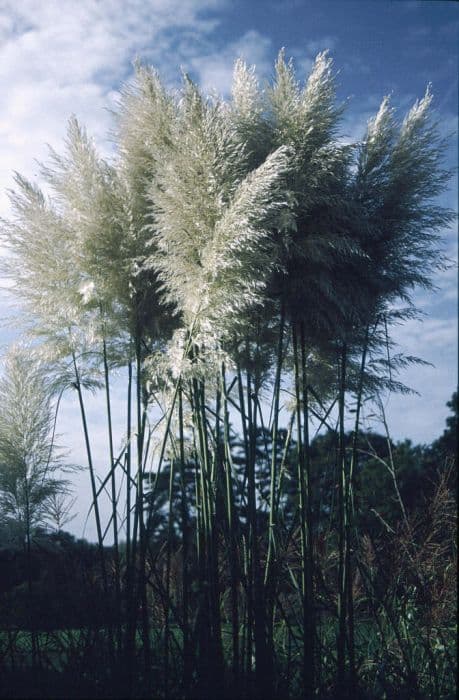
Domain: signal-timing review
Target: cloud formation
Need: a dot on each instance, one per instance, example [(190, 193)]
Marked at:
[(215, 69), (59, 57)]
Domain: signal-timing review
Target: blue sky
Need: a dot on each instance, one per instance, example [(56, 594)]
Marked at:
[(59, 57)]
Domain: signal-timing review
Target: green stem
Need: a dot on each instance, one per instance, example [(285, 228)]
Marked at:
[(262, 667), (91, 473), (302, 513), (130, 562), (205, 613), (113, 498), (232, 534), (168, 581), (309, 560), (350, 521), (342, 480), (187, 655), (248, 628), (273, 474), (100, 539)]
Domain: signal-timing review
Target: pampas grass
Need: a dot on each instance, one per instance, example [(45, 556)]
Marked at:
[(230, 254)]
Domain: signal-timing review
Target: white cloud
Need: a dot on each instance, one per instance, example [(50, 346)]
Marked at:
[(436, 335), (321, 44), (304, 56), (434, 340), (59, 58), (447, 282), (215, 69), (410, 5), (421, 31)]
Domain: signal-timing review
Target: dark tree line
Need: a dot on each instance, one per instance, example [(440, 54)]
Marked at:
[(66, 572)]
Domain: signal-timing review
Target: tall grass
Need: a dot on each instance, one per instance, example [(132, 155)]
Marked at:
[(233, 257)]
